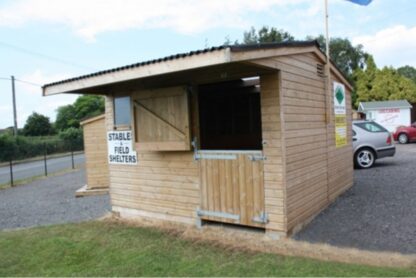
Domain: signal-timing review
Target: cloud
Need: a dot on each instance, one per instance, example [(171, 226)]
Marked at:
[(393, 46), (29, 98), (90, 18)]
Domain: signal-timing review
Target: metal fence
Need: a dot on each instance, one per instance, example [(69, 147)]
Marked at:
[(20, 161)]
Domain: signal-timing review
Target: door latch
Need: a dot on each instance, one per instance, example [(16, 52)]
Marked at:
[(257, 157), (194, 144)]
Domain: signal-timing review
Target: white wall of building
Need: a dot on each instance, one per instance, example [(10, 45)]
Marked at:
[(390, 118)]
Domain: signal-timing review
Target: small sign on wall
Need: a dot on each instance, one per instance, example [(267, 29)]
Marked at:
[(120, 148), (340, 115)]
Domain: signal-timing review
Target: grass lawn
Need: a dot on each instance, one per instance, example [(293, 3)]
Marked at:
[(110, 249)]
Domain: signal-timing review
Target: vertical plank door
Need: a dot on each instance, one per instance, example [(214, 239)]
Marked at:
[(232, 188)]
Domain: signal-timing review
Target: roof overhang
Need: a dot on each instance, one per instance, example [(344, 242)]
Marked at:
[(181, 63), (196, 61), (377, 105)]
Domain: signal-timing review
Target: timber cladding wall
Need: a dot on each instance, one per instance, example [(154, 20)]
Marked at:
[(163, 185), (274, 185), (340, 161), (315, 172), (95, 145), (305, 137)]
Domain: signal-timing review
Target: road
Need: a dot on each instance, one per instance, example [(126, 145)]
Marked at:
[(36, 168)]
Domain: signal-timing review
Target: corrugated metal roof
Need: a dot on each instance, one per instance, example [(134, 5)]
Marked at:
[(233, 48), (383, 105)]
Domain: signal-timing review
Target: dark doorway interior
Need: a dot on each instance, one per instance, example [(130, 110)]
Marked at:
[(230, 116)]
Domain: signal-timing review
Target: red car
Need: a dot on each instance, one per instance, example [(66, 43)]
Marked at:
[(405, 134)]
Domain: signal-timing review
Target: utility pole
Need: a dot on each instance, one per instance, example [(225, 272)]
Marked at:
[(14, 107)]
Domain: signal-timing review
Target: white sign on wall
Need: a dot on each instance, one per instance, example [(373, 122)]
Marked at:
[(339, 99), (340, 112), (120, 148), (390, 118)]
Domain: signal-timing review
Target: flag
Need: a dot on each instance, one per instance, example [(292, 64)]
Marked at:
[(361, 2)]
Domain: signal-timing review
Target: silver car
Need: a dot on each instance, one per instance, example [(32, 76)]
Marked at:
[(371, 141)]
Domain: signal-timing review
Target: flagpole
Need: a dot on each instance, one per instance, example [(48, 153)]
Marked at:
[(326, 31), (328, 94), (327, 66)]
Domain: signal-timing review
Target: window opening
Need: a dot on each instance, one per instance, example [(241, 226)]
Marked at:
[(122, 111), (230, 115)]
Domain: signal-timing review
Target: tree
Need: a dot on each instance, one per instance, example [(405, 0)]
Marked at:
[(265, 35), (69, 116), (404, 88), (88, 106), (363, 81), (373, 84), (346, 56), (408, 72), (66, 118), (37, 125)]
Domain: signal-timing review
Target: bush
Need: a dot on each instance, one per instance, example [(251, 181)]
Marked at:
[(8, 147), (23, 147), (73, 136)]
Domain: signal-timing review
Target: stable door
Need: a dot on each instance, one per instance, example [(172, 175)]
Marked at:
[(232, 189), (231, 157)]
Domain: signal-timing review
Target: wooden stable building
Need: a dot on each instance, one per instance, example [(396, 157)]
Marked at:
[(96, 162), (247, 135)]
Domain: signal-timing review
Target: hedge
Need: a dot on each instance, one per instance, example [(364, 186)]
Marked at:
[(23, 147)]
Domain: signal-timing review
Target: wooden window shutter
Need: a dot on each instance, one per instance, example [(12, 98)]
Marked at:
[(162, 120)]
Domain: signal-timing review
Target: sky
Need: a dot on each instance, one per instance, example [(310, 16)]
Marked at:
[(44, 41)]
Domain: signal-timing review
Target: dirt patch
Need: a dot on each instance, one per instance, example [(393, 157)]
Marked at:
[(231, 238)]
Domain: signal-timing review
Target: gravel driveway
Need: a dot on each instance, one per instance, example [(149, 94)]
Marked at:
[(49, 201), (377, 213)]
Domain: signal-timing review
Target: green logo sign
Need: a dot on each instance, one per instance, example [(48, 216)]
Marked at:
[(339, 94)]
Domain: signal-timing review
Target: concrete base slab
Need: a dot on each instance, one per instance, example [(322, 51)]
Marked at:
[(275, 235), (85, 191)]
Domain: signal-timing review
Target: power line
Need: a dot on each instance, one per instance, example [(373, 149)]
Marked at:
[(28, 82), (22, 81), (43, 56)]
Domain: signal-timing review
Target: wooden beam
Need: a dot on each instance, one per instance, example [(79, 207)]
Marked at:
[(180, 64), (240, 56)]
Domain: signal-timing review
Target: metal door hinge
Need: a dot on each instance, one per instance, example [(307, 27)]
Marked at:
[(263, 218), (220, 214)]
